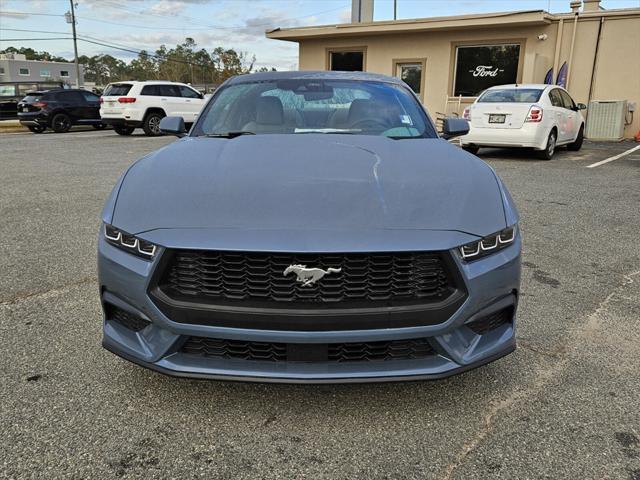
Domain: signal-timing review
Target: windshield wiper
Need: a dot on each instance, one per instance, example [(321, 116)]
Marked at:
[(229, 134), (332, 131)]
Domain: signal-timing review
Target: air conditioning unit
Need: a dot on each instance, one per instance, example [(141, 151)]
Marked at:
[(605, 120)]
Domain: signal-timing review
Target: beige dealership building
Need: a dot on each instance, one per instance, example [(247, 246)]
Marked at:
[(450, 60)]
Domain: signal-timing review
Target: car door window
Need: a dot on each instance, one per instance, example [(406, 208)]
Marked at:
[(169, 91), (70, 97), (151, 90), (187, 92), (90, 97), (556, 99), (567, 101)]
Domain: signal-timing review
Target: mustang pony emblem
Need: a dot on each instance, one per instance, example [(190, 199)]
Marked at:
[(309, 276)]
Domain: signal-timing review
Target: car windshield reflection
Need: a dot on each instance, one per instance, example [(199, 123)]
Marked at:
[(312, 106)]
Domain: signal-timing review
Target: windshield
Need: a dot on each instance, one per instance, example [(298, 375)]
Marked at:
[(34, 97), (299, 106), (511, 95), (117, 89)]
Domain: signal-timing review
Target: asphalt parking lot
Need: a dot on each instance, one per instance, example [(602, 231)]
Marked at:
[(566, 404)]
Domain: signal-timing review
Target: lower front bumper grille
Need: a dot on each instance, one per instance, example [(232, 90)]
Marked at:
[(124, 318), (491, 322), (410, 349)]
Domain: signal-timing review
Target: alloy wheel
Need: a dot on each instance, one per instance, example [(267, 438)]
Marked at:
[(61, 123), (551, 145), (154, 124)]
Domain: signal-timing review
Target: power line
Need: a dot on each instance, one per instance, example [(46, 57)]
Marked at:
[(31, 31), (108, 22), (94, 40), (12, 13), (115, 47), (32, 39)]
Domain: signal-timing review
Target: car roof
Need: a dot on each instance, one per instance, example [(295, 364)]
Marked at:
[(42, 92), (314, 74), (147, 82), (540, 86)]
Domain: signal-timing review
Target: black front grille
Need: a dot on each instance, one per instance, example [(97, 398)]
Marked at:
[(334, 352), (365, 278)]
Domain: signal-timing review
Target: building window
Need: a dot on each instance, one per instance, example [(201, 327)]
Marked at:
[(7, 90), (479, 67), (1, 70), (64, 73), (24, 72), (411, 74), (45, 72), (344, 61)]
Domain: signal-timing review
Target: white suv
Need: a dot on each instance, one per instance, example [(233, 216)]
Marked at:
[(128, 105)]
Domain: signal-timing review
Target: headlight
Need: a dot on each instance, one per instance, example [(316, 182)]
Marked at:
[(128, 242), (489, 244)]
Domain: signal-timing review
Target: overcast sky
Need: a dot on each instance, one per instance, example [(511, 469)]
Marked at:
[(239, 24)]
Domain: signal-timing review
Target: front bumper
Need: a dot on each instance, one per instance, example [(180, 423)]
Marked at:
[(492, 284)]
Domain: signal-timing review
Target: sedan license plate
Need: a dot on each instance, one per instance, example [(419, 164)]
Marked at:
[(497, 118)]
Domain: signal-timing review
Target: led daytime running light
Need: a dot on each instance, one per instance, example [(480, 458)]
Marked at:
[(489, 244), (129, 242)]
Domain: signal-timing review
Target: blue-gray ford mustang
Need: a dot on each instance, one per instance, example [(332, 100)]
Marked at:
[(311, 227)]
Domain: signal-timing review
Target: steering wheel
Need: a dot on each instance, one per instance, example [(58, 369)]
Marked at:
[(369, 124)]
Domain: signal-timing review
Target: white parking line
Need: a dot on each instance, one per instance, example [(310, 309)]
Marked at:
[(616, 157)]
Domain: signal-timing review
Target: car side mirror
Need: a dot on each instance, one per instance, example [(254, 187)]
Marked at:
[(581, 106), (454, 127), (173, 126)]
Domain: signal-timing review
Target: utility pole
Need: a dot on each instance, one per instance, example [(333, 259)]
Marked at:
[(395, 9), (72, 20)]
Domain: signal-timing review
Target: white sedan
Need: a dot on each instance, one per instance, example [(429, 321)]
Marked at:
[(541, 117)]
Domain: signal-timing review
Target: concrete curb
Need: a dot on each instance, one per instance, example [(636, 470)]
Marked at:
[(9, 126)]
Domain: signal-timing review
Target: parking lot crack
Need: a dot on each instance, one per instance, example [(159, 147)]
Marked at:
[(543, 376), (555, 353), (46, 293)]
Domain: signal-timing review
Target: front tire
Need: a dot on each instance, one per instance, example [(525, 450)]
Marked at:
[(61, 123), (577, 143), (36, 128), (124, 130), (151, 124), (550, 147)]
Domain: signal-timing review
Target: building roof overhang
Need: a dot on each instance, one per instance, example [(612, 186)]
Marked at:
[(459, 22)]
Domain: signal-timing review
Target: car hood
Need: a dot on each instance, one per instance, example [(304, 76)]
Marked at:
[(310, 182)]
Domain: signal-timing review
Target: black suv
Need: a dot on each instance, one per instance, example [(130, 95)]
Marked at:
[(59, 110)]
